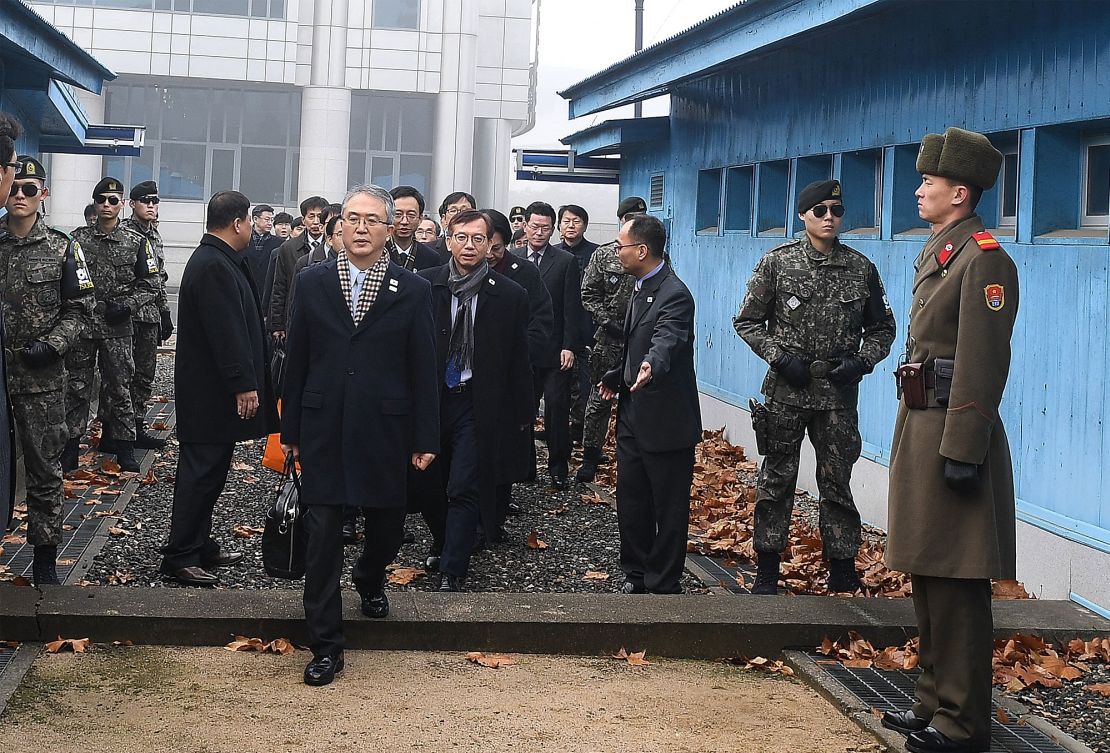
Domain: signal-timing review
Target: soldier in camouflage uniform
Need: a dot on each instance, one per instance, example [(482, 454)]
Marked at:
[(606, 290), (151, 323), (47, 296), (125, 271), (817, 312)]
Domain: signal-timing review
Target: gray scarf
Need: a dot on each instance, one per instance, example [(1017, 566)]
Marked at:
[(464, 287)]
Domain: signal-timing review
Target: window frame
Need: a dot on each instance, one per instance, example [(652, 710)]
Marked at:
[(1086, 220), (1004, 220), (374, 24), (729, 178), (709, 230)]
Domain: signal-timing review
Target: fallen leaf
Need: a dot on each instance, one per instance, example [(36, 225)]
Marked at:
[(240, 466), (493, 661), (76, 645), (242, 531), (1003, 717), (402, 576), (533, 540), (119, 644), (1102, 688), (595, 575), (636, 660), (110, 467), (280, 646), (117, 531)]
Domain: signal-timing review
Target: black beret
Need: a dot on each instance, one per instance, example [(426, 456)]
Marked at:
[(146, 188), (816, 192), (959, 155), (29, 167), (108, 185), (631, 205), (516, 211)]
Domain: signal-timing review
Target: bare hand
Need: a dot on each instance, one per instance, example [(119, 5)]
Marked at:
[(606, 393), (421, 461), (292, 448), (246, 404), (279, 335), (566, 360), (643, 377)]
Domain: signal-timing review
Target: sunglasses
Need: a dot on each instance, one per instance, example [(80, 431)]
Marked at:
[(821, 209), (104, 199), (29, 189), (147, 200), (519, 217)]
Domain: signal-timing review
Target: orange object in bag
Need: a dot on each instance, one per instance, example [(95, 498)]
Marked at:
[(274, 457)]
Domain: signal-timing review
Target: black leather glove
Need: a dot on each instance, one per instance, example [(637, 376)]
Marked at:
[(961, 477), (848, 371), (165, 327), (37, 354), (614, 329), (114, 313), (794, 369)]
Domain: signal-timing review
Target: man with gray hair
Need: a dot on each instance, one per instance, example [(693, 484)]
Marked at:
[(361, 404)]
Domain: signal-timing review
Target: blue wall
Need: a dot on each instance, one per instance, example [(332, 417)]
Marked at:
[(1034, 73)]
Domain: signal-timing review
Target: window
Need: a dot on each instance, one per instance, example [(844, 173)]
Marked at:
[(203, 140), (708, 212), (396, 14), (655, 192), (1096, 182), (738, 199), (391, 140), (255, 8), (772, 185), (1008, 191), (861, 175)]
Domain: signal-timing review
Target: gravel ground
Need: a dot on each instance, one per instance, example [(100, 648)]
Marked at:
[(580, 536), (1083, 714)]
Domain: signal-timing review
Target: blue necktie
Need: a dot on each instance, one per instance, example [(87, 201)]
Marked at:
[(356, 290)]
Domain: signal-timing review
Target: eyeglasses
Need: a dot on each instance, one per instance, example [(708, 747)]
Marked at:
[(539, 228), (370, 221), (619, 246), (12, 165), (822, 209), (409, 215), (461, 238), (148, 199), (30, 190), (103, 199), (455, 210)]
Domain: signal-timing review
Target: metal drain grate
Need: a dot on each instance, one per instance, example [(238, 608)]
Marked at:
[(6, 656), (893, 689), (721, 574)]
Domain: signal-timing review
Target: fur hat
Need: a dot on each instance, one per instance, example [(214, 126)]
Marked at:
[(963, 156)]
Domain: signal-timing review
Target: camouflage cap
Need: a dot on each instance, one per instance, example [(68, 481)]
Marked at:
[(963, 156), (29, 167)]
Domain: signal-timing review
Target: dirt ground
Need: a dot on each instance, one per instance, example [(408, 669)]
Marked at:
[(211, 700)]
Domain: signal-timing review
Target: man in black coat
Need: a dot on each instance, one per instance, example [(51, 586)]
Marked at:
[(559, 271), (361, 405), (404, 249), (312, 239), (486, 390), (10, 130), (452, 204), (573, 222), (221, 385), (658, 414)]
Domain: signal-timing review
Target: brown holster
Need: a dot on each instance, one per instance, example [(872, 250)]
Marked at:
[(916, 380)]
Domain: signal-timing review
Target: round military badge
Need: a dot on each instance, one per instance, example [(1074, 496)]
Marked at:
[(995, 295)]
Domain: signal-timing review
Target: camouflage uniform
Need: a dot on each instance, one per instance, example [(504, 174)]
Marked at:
[(146, 323), (47, 295), (125, 271), (606, 290), (822, 307)]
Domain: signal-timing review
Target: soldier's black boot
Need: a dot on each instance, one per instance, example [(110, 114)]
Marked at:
[(44, 571), (106, 445), (842, 576), (767, 575), (69, 455), (125, 456), (145, 440), (591, 457)]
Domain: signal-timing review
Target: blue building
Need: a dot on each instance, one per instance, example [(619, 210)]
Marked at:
[(39, 70), (769, 95)]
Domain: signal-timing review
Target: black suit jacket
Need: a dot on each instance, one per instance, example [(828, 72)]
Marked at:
[(359, 401), (221, 348), (440, 247), (259, 261), (559, 270), (542, 350), (419, 257), (502, 381), (659, 329), (582, 254)]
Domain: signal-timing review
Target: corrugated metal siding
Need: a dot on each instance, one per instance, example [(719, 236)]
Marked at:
[(884, 80)]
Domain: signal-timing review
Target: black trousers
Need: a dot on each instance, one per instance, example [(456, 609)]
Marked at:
[(556, 421), (323, 602), (201, 475), (653, 509), (956, 627), (460, 513)]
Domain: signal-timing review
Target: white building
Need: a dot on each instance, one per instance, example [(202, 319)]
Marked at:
[(284, 99)]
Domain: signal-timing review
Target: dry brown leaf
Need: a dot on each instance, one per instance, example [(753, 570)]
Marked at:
[(243, 531), (402, 576), (1009, 589), (533, 540), (595, 575), (150, 478), (1102, 688), (110, 467), (493, 661), (117, 531), (280, 646), (636, 660), (240, 466), (1003, 717), (76, 645), (122, 644)]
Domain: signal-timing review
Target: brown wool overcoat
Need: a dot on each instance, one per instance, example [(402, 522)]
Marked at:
[(964, 309)]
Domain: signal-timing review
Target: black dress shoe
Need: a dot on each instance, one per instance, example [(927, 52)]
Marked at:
[(192, 576), (632, 588), (350, 533), (513, 509), (375, 605), (932, 740), (451, 583), (432, 563), (409, 537), (323, 669), (223, 559), (559, 482), (904, 721)]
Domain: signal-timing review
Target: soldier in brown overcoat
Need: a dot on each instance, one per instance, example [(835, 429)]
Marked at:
[(951, 501)]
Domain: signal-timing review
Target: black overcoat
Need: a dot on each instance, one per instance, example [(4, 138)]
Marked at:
[(359, 401), (559, 271), (542, 350), (502, 392), (221, 349)]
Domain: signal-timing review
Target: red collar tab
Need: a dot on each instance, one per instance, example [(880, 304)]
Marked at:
[(946, 253), (986, 241)]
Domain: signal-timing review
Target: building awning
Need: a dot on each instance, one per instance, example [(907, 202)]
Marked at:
[(43, 53), (606, 138), (564, 166), (749, 27), (64, 128)]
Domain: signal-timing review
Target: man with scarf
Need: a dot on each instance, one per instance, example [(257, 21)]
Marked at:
[(485, 390)]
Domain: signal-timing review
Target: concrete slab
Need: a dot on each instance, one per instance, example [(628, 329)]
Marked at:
[(579, 624)]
